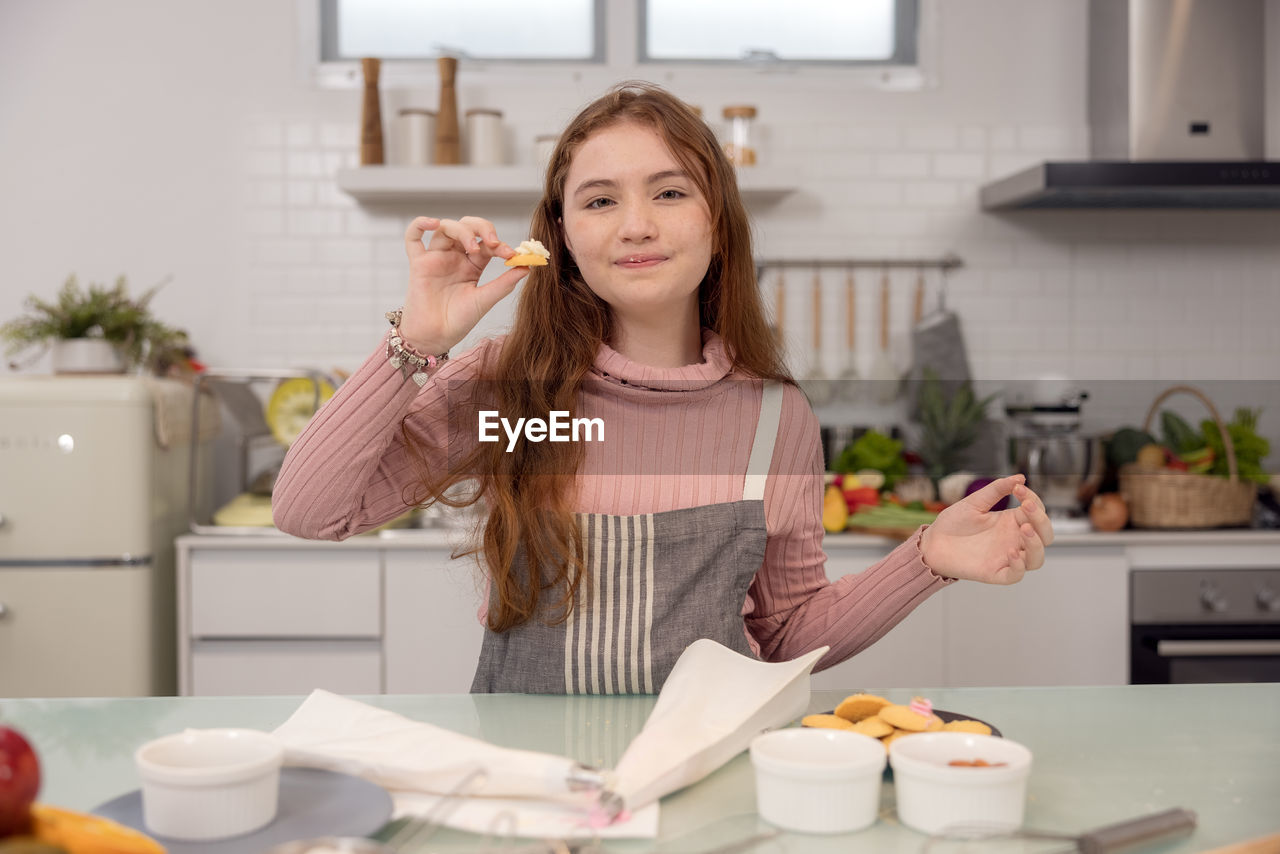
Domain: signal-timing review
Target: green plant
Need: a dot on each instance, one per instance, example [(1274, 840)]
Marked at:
[(873, 450), (948, 425), (99, 312), (1251, 449)]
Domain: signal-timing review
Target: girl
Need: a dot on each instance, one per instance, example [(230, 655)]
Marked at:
[(697, 513)]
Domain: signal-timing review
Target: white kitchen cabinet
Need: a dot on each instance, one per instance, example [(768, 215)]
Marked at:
[(259, 615), (909, 656), (247, 666), (1066, 623), (281, 615), (432, 640)]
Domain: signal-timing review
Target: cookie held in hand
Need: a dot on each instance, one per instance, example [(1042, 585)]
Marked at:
[(530, 253)]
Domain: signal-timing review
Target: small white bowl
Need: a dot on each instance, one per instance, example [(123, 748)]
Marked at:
[(934, 795), (205, 784), (818, 780)]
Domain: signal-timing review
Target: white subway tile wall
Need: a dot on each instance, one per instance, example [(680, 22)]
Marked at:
[(1096, 295), (221, 173)]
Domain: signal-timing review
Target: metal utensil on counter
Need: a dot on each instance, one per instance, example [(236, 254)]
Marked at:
[(1128, 835), (849, 382), (815, 385), (884, 376)]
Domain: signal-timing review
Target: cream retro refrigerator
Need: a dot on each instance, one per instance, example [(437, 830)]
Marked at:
[(93, 490)]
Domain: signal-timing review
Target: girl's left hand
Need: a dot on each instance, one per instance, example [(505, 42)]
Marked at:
[(970, 540)]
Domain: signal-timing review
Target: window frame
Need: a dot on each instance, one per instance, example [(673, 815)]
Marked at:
[(905, 46), (621, 62), (327, 38)]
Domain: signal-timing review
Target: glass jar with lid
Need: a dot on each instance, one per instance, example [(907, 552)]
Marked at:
[(740, 147)]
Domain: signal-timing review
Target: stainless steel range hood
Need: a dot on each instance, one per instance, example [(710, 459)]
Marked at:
[(1176, 107)]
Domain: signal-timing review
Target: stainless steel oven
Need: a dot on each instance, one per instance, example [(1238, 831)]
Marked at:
[(1215, 625)]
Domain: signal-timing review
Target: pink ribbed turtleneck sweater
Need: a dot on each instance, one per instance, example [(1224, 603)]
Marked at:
[(673, 438)]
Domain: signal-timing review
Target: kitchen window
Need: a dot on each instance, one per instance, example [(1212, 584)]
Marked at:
[(502, 30), (831, 45), (765, 32)]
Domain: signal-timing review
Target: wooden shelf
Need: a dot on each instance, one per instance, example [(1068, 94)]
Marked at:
[(499, 184)]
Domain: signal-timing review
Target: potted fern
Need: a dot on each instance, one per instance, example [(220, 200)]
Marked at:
[(98, 330)]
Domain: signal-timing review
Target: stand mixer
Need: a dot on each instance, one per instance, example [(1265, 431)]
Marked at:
[(1063, 466)]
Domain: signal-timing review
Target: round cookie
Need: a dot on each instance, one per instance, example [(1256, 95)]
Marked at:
[(825, 722), (967, 726), (855, 707), (935, 724), (894, 736), (903, 718), (872, 726)]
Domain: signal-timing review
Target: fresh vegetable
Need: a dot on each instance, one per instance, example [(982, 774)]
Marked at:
[(1124, 444), (863, 496), (915, 488), (952, 487), (978, 483), (889, 516), (835, 513), (1151, 456), (869, 477), (1199, 461), (1251, 449), (873, 450), (19, 781), (1177, 435), (1108, 512)]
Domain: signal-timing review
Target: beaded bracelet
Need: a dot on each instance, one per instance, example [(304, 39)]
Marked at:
[(410, 362)]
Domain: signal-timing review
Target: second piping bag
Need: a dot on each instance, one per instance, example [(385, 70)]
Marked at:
[(712, 705)]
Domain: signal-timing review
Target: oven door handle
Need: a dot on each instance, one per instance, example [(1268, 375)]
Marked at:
[(1180, 648)]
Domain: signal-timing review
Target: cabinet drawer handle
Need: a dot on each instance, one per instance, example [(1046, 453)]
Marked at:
[(1173, 649)]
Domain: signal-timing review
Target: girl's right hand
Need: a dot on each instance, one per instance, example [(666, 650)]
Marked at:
[(444, 303)]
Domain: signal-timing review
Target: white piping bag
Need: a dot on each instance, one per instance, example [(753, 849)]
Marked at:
[(711, 706), (334, 732)]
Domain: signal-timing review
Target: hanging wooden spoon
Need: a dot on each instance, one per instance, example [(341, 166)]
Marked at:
[(884, 376), (816, 386), (849, 382)]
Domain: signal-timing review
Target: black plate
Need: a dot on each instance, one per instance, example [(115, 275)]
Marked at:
[(313, 802), (948, 717)]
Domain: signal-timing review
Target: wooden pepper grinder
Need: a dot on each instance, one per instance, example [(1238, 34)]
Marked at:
[(448, 141), (370, 115)]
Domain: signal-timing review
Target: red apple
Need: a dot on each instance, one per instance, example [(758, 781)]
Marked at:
[(19, 782)]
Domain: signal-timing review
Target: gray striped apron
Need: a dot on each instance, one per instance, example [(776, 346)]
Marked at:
[(659, 581)]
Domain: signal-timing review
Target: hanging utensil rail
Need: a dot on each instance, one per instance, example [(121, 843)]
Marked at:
[(946, 262)]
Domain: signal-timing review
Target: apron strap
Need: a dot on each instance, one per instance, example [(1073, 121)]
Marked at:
[(762, 447)]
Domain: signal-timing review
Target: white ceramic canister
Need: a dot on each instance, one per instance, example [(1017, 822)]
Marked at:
[(415, 135), (544, 147), (484, 138)]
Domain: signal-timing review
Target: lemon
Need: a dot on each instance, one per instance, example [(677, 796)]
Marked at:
[(291, 406)]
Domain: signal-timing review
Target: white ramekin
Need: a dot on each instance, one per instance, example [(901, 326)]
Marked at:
[(818, 780), (205, 784), (934, 796)]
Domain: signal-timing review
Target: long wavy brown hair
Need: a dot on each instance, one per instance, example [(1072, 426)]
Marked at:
[(558, 329)]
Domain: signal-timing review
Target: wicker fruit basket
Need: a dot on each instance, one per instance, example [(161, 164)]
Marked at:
[(1164, 498)]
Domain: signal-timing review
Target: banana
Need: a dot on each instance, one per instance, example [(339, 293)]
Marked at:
[(80, 833)]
